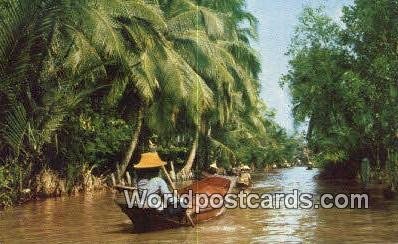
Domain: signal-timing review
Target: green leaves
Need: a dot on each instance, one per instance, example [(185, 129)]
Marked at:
[(198, 18), (14, 129), (136, 9), (343, 78), (187, 65)]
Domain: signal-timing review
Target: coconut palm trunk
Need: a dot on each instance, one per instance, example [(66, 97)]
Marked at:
[(192, 154), (121, 168)]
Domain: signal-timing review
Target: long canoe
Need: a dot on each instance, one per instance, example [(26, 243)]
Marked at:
[(148, 219)]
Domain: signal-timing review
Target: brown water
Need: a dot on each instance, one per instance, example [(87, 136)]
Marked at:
[(96, 219)]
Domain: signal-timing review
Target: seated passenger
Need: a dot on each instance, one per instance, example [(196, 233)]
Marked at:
[(149, 180)]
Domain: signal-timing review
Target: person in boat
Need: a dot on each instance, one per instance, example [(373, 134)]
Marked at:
[(149, 180), (210, 171), (244, 176), (213, 169), (309, 165)]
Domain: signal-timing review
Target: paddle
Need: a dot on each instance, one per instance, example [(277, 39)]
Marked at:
[(187, 213), (168, 178)]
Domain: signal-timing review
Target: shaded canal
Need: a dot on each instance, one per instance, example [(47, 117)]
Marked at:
[(97, 219)]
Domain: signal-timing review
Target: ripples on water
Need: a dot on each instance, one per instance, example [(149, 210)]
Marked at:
[(97, 219)]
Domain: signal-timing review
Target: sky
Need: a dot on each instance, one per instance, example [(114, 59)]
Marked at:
[(277, 20)]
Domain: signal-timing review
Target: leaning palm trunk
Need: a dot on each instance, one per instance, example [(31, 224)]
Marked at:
[(121, 168), (188, 165)]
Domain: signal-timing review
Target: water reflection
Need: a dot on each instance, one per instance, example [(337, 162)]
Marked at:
[(95, 218)]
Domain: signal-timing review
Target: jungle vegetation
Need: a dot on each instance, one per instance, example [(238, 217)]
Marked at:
[(86, 86), (343, 80)]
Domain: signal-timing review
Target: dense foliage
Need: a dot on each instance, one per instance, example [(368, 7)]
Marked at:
[(343, 79), (90, 83)]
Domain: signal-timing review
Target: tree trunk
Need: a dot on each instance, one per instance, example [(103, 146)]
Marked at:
[(188, 165), (121, 168)]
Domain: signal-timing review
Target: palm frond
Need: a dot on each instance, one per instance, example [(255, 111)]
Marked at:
[(102, 29), (136, 9), (15, 128), (222, 147), (199, 19), (245, 56), (14, 17)]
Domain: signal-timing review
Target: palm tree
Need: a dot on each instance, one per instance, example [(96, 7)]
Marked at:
[(170, 79), (85, 43), (156, 60), (214, 50)]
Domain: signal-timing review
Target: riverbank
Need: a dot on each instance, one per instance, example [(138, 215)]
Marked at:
[(49, 183)]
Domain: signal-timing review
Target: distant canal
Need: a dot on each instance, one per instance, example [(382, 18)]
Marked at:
[(96, 218)]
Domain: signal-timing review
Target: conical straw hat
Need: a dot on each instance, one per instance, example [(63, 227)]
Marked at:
[(214, 165), (245, 167), (149, 160)]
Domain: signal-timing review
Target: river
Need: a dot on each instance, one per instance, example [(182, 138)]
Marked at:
[(95, 218)]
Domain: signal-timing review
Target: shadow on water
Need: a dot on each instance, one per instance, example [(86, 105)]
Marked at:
[(96, 218), (123, 228)]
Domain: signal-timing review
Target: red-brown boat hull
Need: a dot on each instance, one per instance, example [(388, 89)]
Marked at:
[(147, 219)]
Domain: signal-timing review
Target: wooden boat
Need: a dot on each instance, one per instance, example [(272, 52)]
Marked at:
[(148, 219), (244, 180), (243, 184)]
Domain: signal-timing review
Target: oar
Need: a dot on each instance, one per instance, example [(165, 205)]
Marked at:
[(187, 213), (168, 178)]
